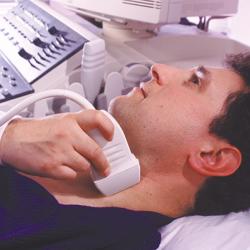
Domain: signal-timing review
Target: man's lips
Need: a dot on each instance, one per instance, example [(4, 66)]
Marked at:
[(143, 92), (142, 88)]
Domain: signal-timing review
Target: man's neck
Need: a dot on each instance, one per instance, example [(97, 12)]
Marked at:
[(149, 195)]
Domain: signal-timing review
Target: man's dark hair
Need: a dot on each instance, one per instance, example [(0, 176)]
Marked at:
[(221, 195)]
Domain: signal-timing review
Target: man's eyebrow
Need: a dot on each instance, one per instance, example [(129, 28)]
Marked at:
[(203, 72), (205, 75)]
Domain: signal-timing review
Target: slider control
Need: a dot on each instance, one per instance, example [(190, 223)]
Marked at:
[(55, 32), (24, 54), (38, 42), (27, 56)]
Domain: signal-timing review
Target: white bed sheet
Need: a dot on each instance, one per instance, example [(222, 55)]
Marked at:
[(227, 232)]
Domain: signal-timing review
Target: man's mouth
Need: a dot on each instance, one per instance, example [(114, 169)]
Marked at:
[(144, 93)]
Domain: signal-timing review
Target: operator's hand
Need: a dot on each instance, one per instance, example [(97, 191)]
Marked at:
[(57, 146)]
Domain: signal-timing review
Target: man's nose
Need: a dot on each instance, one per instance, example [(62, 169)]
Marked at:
[(161, 73)]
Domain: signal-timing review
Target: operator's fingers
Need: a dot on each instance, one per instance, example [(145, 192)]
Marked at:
[(76, 161), (89, 149), (94, 119), (62, 172)]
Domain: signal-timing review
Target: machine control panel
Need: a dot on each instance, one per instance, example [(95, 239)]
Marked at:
[(11, 83), (33, 42)]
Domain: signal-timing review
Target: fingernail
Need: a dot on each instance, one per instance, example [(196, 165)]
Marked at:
[(107, 172)]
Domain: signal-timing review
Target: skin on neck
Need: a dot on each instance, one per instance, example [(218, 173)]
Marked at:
[(171, 195)]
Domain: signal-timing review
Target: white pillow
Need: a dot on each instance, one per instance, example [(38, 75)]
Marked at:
[(225, 232)]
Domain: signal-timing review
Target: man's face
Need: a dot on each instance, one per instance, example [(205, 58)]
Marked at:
[(169, 116)]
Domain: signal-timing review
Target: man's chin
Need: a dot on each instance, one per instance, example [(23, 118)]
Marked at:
[(114, 105)]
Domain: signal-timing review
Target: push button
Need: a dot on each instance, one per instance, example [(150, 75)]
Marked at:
[(5, 92)]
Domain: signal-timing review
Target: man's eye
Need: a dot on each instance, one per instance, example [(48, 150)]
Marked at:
[(195, 79)]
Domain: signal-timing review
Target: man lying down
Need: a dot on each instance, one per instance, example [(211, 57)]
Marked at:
[(188, 128)]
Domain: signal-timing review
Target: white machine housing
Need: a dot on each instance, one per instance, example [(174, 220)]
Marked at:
[(151, 11), (91, 60)]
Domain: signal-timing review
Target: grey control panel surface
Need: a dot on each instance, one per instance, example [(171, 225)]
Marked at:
[(33, 42)]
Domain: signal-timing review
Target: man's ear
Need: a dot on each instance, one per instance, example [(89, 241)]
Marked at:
[(221, 160)]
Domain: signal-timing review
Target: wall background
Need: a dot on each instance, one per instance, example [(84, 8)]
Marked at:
[(237, 27)]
